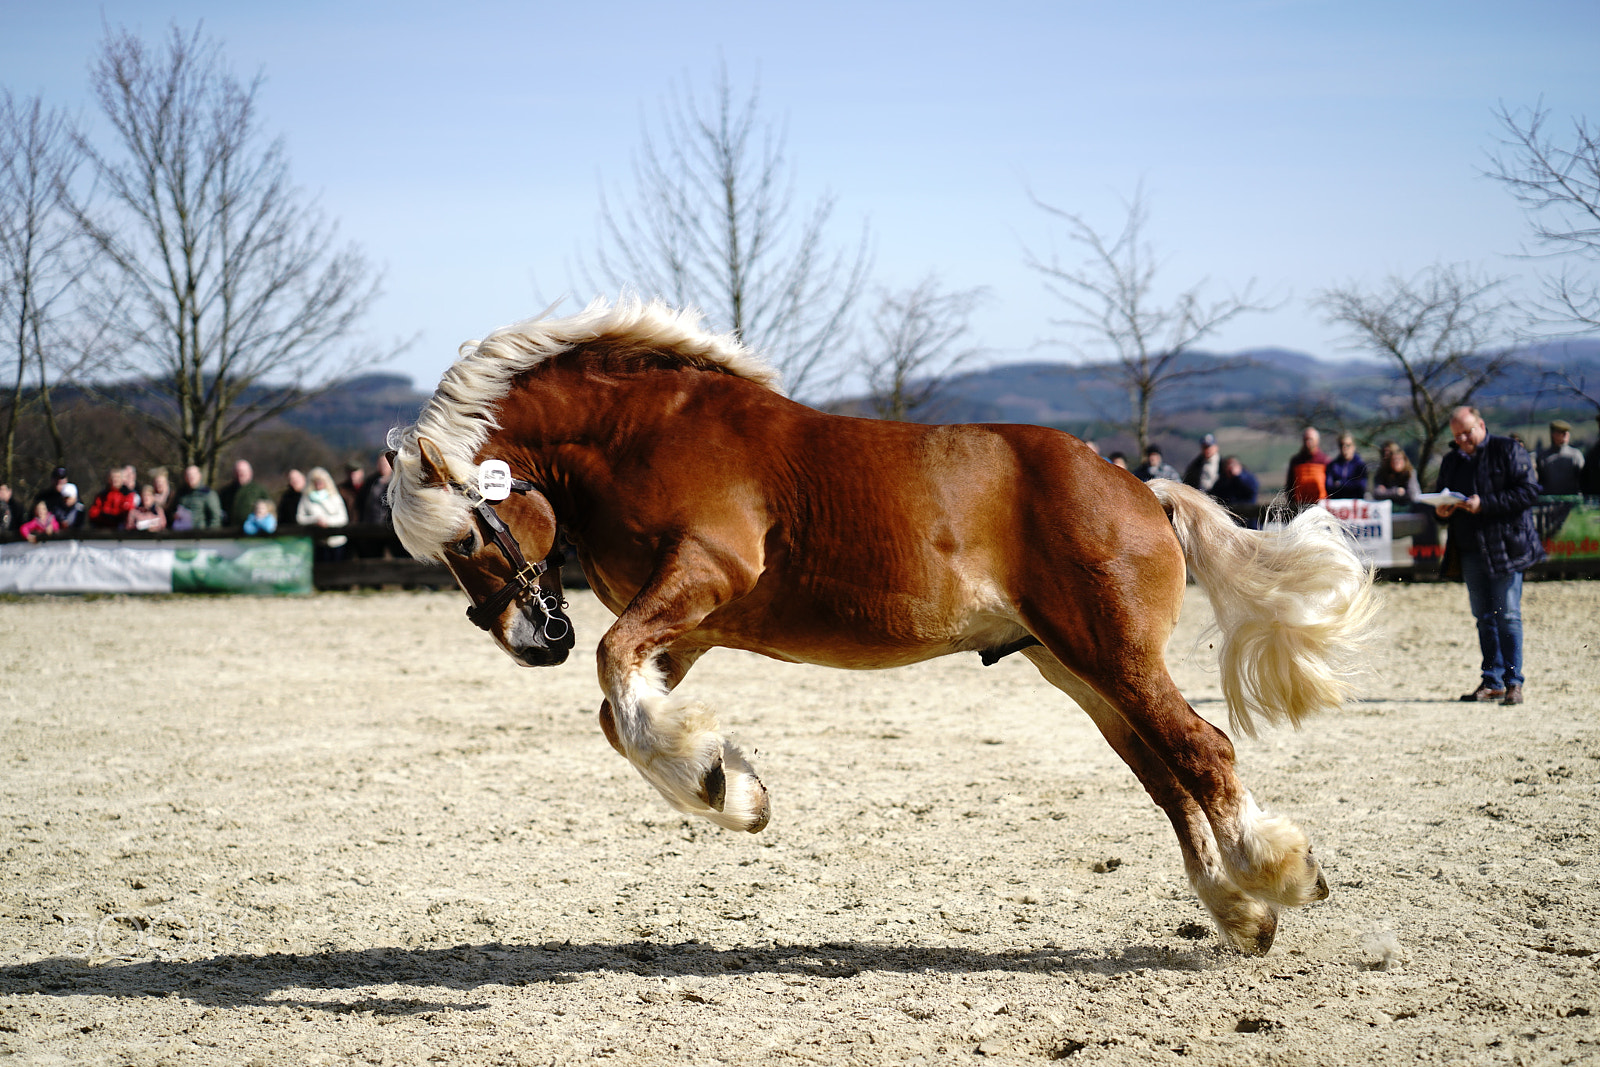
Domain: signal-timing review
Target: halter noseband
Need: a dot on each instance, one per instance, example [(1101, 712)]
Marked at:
[(524, 577)]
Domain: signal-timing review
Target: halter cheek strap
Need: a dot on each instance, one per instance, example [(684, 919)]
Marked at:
[(524, 577)]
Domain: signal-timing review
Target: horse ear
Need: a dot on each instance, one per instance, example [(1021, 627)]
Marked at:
[(433, 465)]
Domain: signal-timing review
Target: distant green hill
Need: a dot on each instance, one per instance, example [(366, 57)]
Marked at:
[(355, 415)]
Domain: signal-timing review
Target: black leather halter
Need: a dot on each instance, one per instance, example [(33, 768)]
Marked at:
[(524, 583)]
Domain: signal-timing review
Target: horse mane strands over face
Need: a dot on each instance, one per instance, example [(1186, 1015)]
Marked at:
[(461, 414)]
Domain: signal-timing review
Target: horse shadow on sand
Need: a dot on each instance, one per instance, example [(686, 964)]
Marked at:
[(272, 979)]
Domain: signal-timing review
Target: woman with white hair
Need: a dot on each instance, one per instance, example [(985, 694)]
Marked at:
[(321, 505)]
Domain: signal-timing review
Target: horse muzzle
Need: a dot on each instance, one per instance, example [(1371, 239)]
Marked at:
[(538, 637)]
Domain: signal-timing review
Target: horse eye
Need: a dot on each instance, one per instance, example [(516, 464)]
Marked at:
[(466, 546)]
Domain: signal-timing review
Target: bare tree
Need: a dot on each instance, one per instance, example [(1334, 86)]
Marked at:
[(1441, 333), (41, 263), (916, 342), (714, 224), (1113, 302), (239, 306), (1570, 385), (1560, 184)]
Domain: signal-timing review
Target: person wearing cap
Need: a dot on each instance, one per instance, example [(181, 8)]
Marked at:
[(1560, 465), (51, 496), (1589, 482), (1155, 467), (1492, 541), (71, 512), (1204, 469)]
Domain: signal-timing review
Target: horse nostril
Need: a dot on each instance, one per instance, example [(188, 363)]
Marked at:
[(539, 656)]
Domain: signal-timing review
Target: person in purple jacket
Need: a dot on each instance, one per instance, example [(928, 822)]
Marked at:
[(1347, 472)]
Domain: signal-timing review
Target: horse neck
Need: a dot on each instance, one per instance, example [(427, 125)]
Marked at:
[(556, 427)]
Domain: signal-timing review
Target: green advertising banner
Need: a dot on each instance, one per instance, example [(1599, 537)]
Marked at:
[(280, 565), (1575, 533)]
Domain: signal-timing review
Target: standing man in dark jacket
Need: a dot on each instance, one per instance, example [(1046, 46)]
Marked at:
[(1235, 485), (1492, 541)]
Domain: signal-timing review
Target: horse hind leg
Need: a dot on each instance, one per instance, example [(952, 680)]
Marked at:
[(1244, 922), (1266, 856)]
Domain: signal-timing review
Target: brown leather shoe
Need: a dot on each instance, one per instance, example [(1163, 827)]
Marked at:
[(1483, 694), (1513, 695)]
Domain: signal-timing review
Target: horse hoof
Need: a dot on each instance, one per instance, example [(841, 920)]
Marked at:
[(1255, 938), (763, 814), (1261, 944), (715, 786)]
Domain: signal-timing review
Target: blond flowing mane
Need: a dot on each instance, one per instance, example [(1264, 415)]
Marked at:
[(461, 414)]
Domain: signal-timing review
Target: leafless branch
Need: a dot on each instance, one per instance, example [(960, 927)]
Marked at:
[(916, 343), (1440, 332), (42, 265), (713, 223), (1111, 296), (238, 303), (1559, 183)]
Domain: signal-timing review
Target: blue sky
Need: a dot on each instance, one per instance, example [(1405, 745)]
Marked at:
[(1299, 144)]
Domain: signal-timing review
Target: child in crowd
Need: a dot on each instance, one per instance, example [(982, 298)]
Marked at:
[(42, 525), (261, 520)]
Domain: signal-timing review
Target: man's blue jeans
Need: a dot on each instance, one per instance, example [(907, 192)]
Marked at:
[(1497, 605)]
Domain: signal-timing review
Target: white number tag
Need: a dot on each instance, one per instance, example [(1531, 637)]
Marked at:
[(494, 479)]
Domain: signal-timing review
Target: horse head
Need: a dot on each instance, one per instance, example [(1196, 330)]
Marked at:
[(503, 554)]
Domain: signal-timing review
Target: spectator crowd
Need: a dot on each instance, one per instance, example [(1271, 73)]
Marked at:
[(1314, 475), (311, 499)]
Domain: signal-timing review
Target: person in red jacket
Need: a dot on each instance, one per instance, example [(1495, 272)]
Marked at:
[(110, 508), (1307, 480)]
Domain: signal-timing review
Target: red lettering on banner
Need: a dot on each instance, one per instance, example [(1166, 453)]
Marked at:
[(1567, 549)]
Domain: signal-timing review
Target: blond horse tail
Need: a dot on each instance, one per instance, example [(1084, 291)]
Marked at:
[(1294, 606)]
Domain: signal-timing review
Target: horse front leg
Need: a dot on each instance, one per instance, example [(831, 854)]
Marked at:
[(671, 741), (673, 666)]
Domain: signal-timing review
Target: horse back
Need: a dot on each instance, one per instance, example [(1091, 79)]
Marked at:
[(885, 542)]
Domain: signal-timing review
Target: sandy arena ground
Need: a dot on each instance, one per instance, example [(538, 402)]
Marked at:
[(346, 829)]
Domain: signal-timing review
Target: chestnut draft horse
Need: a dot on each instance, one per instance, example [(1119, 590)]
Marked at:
[(708, 510)]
